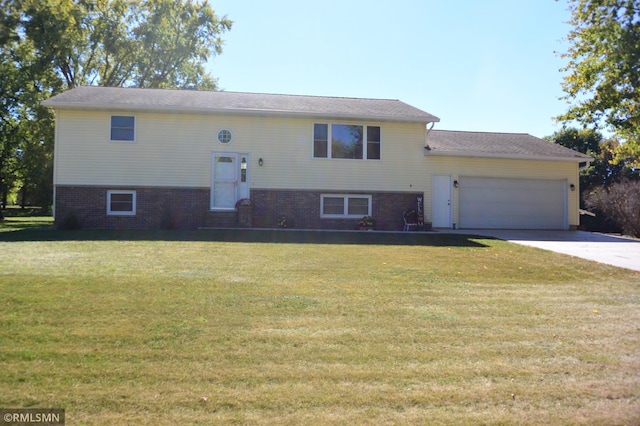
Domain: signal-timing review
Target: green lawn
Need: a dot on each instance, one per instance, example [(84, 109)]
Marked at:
[(184, 328), (16, 219)]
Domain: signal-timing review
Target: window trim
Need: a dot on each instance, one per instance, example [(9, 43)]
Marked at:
[(131, 212), (345, 214), (365, 142), (135, 129), (222, 132)]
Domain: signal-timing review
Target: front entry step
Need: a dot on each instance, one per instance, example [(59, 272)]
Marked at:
[(226, 219)]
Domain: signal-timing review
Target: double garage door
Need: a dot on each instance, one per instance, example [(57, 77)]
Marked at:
[(497, 203)]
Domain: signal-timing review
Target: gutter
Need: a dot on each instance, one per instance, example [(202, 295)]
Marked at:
[(587, 164), (236, 112), (430, 152)]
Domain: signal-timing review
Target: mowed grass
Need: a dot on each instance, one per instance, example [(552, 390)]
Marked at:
[(16, 219), (172, 330)]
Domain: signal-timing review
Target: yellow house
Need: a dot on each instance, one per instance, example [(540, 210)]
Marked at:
[(152, 158)]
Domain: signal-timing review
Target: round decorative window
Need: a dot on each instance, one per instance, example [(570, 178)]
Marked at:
[(224, 136)]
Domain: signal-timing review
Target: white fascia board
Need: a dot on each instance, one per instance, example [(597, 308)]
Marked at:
[(429, 153), (238, 111)]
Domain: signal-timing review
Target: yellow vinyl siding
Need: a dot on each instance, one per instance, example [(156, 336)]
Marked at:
[(175, 150), (458, 167)]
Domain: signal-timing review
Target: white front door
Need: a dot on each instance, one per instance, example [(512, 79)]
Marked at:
[(441, 201), (229, 179)]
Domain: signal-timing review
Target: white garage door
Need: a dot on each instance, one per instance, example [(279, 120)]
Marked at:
[(495, 203)]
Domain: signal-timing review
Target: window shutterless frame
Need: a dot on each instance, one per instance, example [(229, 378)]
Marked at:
[(346, 141), (121, 203), (224, 136), (345, 206), (122, 128)]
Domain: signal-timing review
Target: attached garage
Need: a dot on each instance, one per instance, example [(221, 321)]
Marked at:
[(482, 180), (496, 203)]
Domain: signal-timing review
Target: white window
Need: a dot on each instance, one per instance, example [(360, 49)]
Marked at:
[(345, 205), (123, 128), (224, 136), (121, 203), (352, 141)]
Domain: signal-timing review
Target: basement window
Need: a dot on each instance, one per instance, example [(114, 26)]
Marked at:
[(342, 206), (121, 203)]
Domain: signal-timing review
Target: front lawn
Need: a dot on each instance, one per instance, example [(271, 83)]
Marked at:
[(172, 328)]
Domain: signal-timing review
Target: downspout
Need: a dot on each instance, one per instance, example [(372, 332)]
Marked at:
[(426, 136), (587, 164), (56, 138)]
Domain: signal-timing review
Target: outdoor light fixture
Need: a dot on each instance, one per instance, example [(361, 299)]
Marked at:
[(260, 162), (573, 187), (243, 164), (455, 184)]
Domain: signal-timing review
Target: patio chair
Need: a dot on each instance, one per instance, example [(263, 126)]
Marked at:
[(410, 220)]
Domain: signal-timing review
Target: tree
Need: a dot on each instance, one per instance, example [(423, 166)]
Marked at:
[(141, 43), (604, 171), (48, 46), (607, 167), (586, 141), (599, 181), (621, 203), (603, 82)]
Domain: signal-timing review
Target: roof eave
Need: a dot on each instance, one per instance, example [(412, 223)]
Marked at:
[(438, 153), (236, 111)]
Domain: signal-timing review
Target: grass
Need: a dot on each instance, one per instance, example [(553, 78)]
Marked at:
[(178, 328), (17, 219)]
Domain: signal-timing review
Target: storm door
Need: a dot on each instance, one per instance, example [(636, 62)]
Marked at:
[(229, 179), (224, 185)]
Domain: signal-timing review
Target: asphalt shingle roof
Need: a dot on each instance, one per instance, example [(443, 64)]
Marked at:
[(489, 144), (93, 97)]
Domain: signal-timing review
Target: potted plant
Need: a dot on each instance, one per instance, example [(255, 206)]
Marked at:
[(367, 223), (244, 208)]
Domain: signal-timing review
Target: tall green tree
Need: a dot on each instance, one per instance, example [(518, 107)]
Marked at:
[(48, 46), (604, 180), (586, 141), (602, 83)]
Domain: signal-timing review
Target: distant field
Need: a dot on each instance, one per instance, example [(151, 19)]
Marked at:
[(178, 328)]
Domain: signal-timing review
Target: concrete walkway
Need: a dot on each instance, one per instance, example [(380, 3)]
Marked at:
[(612, 250)]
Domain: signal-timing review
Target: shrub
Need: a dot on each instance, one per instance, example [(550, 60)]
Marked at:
[(70, 223), (620, 202), (168, 220)]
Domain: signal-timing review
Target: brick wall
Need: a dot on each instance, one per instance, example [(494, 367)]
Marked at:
[(302, 209), (156, 208), (188, 208)]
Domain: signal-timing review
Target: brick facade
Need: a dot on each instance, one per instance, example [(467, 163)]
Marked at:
[(156, 208), (302, 209), (188, 208)]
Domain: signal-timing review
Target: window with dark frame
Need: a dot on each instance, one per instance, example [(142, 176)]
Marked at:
[(123, 128)]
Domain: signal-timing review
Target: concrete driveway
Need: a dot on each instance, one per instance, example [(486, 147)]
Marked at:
[(612, 250)]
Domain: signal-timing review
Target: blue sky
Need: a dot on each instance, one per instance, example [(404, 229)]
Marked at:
[(484, 65)]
